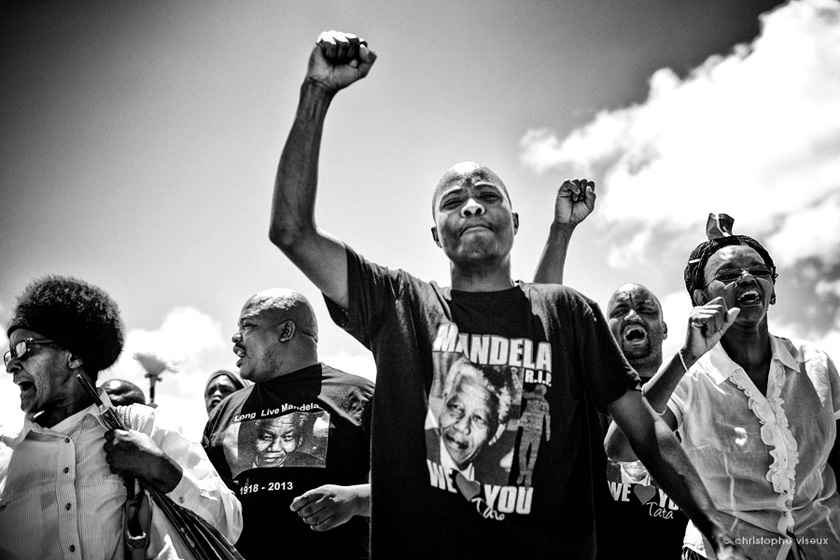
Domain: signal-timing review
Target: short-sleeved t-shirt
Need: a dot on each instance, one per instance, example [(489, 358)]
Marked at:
[(639, 516), (273, 441), (481, 436)]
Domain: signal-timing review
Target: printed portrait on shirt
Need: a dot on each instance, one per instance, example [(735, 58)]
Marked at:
[(487, 418), (470, 426), (294, 439)]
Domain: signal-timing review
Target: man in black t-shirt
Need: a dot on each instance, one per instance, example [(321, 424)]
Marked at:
[(294, 446), (541, 335), (641, 516), (633, 514)]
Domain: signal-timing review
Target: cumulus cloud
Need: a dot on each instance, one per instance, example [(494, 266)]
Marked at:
[(357, 364), (193, 345), (754, 133), (675, 308), (757, 130)]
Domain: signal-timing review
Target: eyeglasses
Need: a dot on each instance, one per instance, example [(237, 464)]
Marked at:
[(20, 349), (729, 275)]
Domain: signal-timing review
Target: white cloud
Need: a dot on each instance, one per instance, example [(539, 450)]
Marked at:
[(827, 340), (812, 231), (675, 308), (185, 335), (357, 364), (832, 287), (194, 344), (754, 133)]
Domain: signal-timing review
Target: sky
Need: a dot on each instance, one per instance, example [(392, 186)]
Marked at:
[(139, 142)]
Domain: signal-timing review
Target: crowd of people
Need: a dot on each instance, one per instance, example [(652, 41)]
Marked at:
[(508, 418)]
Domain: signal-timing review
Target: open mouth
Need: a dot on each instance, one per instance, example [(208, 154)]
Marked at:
[(635, 333), (749, 297), (25, 386), (240, 353)]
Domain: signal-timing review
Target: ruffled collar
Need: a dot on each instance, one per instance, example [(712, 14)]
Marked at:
[(769, 409)]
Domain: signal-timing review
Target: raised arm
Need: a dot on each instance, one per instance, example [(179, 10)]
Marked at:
[(706, 325), (574, 202), (660, 452), (338, 60)]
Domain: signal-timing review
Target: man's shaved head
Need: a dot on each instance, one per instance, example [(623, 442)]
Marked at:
[(630, 288), (634, 317), (466, 171), (281, 304), (123, 393)]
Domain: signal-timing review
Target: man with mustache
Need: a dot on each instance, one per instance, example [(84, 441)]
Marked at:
[(640, 516), (295, 444), (633, 513)]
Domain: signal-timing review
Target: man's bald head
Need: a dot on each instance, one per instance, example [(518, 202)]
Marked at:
[(634, 317), (466, 172), (122, 392), (281, 304), (635, 289)]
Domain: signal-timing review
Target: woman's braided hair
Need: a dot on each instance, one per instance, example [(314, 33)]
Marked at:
[(718, 228)]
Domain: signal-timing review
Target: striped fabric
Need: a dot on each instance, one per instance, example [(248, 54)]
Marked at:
[(59, 499)]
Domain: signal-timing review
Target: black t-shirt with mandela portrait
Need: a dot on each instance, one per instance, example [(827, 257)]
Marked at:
[(273, 441), (481, 436)]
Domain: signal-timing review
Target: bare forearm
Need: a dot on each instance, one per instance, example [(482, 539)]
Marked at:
[(362, 499), (617, 446), (656, 392), (659, 389), (655, 444), (553, 259), (292, 212), (673, 472), (318, 255)]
